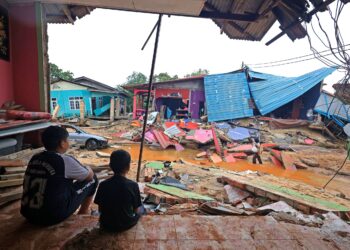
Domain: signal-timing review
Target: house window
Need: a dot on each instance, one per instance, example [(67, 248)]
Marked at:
[(100, 101), (74, 102), (53, 103)]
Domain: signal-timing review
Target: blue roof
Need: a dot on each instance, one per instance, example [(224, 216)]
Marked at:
[(277, 91), (332, 107), (227, 96)]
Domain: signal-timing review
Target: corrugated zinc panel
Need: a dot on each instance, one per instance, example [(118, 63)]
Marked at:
[(331, 106), (227, 96), (277, 91)]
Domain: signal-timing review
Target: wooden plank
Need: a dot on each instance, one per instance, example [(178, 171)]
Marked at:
[(11, 176), (11, 196), (15, 170), (16, 155), (276, 162), (277, 154), (12, 163), (179, 192), (291, 196), (288, 161), (11, 183)]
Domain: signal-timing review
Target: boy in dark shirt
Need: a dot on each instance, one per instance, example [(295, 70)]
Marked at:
[(118, 198), (55, 184)]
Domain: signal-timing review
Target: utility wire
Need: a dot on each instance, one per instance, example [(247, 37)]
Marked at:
[(286, 63), (293, 58)]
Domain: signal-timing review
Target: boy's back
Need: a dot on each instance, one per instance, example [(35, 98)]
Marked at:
[(118, 198)]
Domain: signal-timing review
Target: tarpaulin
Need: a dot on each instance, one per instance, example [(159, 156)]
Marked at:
[(238, 133), (287, 123)]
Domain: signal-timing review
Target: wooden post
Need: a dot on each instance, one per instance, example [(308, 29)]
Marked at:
[(125, 106), (117, 108), (82, 111), (112, 110), (55, 112)]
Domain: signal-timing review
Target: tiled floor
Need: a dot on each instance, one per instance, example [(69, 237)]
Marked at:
[(169, 232)]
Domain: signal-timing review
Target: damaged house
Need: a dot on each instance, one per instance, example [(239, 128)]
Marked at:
[(245, 93), (181, 98), (238, 94), (96, 97)]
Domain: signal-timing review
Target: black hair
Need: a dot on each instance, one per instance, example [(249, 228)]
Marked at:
[(120, 161), (53, 136)]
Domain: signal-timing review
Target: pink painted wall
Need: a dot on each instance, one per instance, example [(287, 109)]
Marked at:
[(25, 56), (6, 81)]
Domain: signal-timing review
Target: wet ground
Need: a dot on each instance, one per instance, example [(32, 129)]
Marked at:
[(171, 232), (340, 184)]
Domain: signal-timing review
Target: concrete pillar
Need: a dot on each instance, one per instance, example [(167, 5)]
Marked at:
[(117, 107), (112, 110), (82, 110)]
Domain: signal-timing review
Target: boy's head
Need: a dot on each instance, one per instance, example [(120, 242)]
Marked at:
[(55, 138), (120, 162)]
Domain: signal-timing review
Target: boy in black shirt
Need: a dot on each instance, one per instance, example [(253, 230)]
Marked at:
[(118, 198), (55, 184)]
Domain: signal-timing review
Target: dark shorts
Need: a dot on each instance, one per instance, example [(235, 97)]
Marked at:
[(81, 190)]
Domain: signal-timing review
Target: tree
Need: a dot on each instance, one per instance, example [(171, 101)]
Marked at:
[(164, 76), (58, 73), (198, 73), (136, 78)]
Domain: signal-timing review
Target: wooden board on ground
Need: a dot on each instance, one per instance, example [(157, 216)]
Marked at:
[(157, 197), (297, 199), (180, 193), (276, 162), (288, 161)]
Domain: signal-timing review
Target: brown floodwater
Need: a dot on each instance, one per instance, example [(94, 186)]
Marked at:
[(170, 154)]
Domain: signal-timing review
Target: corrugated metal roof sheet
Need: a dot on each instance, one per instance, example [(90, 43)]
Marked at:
[(274, 92), (331, 106), (227, 96), (270, 11), (55, 12)]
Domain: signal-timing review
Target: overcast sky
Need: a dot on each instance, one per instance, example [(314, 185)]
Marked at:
[(106, 46)]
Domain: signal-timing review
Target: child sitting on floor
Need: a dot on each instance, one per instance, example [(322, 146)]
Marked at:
[(119, 198)]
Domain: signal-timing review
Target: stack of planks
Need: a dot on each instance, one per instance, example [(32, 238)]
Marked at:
[(11, 179)]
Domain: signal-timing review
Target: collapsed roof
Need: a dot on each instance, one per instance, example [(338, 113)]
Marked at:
[(238, 19)]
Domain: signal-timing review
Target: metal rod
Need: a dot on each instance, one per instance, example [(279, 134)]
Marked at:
[(336, 173), (149, 36), (149, 95), (298, 21)]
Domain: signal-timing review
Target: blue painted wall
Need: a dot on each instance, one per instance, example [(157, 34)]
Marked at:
[(63, 96)]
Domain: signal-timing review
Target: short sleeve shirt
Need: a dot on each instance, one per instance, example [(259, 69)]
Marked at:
[(118, 198), (74, 169)]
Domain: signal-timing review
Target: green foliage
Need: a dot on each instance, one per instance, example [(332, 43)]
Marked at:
[(136, 78), (198, 73), (58, 73), (164, 76)]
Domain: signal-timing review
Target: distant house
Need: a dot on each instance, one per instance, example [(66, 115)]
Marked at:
[(180, 97), (95, 95)]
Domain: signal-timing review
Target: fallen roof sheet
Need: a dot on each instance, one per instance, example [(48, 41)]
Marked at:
[(267, 12), (227, 96), (275, 92), (331, 106)]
